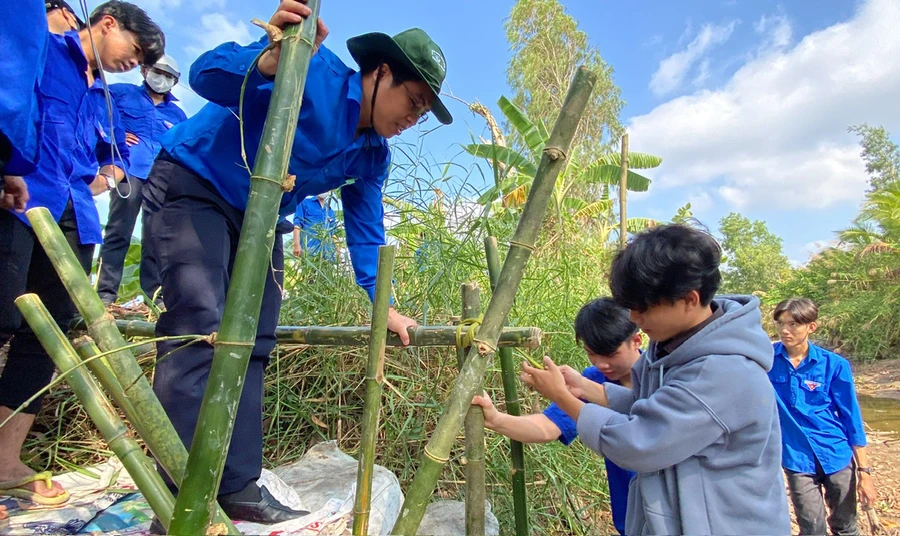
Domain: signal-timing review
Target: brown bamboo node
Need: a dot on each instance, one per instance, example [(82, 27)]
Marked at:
[(289, 182), (435, 458), (555, 153), (522, 245), (261, 178), (484, 347)]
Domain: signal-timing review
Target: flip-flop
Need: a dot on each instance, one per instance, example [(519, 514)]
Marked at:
[(12, 488)]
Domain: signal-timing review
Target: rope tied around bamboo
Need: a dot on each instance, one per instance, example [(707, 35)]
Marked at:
[(466, 340)]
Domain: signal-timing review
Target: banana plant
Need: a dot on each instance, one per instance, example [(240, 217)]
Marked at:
[(514, 172)]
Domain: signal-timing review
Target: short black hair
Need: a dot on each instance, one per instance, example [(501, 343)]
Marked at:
[(802, 310), (399, 72), (663, 264), (602, 325), (130, 17)]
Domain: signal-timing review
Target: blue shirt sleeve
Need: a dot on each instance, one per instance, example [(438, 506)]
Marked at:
[(217, 75), (364, 223), (299, 216), (568, 430), (843, 394)]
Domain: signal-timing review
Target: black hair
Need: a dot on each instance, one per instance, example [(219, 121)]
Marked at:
[(135, 20), (802, 310), (602, 325), (663, 264), (399, 72)]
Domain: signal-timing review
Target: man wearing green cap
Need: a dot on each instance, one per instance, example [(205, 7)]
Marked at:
[(197, 194)]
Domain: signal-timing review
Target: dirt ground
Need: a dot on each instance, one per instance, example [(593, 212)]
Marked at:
[(881, 379)]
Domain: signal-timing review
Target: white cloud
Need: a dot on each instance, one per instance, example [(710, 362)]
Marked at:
[(700, 201), (673, 70), (215, 29), (776, 31), (776, 132)]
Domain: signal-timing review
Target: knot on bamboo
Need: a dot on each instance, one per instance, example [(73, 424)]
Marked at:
[(212, 338), (465, 340), (275, 34), (216, 529), (289, 183), (554, 153)]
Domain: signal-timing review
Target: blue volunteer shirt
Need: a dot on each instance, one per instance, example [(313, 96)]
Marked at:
[(23, 41), (619, 478), (819, 412), (317, 225), (326, 154), (75, 141), (145, 120)]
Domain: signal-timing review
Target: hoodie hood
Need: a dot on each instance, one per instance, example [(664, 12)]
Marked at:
[(737, 328)]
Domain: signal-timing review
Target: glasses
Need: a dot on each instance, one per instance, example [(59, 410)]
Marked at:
[(416, 108)]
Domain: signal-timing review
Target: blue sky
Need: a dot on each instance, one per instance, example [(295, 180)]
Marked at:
[(746, 101)]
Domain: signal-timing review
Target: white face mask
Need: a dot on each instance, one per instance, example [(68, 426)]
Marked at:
[(160, 83)]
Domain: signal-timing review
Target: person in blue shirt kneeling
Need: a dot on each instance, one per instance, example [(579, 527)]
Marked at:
[(824, 444), (613, 345), (148, 111), (198, 187)]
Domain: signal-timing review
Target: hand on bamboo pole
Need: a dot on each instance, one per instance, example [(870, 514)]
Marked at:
[(288, 12), (400, 325)]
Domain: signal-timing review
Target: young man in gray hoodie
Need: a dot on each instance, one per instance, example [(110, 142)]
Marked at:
[(700, 426)]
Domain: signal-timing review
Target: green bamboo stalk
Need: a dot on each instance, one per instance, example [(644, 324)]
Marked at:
[(510, 337), (197, 496), (374, 381), (100, 368), (474, 428), (437, 451), (147, 415), (511, 394), (623, 193), (98, 407)]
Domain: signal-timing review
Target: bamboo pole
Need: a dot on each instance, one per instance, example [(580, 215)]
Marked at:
[(437, 451), (474, 428), (98, 407), (147, 415), (374, 381), (623, 193), (86, 349), (197, 496), (524, 337), (511, 394)]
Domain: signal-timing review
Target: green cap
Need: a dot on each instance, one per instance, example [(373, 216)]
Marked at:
[(413, 49)]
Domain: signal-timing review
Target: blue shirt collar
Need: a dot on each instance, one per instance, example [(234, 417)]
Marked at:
[(813, 356)]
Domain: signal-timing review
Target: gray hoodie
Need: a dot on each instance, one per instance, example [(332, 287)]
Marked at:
[(700, 428)]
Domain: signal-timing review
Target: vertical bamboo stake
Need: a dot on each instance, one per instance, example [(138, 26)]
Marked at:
[(474, 427), (147, 415), (374, 381), (437, 451), (98, 407), (623, 192), (237, 332), (511, 394)]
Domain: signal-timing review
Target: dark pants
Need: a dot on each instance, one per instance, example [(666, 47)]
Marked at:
[(195, 234), (123, 213), (25, 268), (839, 489)]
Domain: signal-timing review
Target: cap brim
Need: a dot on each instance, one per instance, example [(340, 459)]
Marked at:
[(380, 44)]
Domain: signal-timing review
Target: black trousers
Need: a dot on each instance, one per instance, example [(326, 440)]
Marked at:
[(195, 235), (123, 213), (25, 268), (806, 493)]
